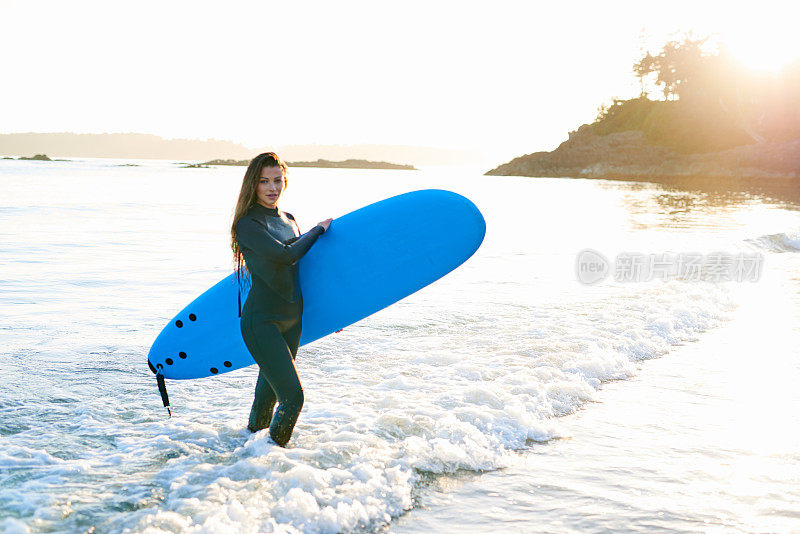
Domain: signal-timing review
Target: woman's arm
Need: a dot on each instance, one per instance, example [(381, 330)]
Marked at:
[(253, 235)]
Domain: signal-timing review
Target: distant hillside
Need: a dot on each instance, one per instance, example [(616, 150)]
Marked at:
[(147, 146)]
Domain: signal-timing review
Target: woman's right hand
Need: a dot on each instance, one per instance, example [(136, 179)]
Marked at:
[(325, 224)]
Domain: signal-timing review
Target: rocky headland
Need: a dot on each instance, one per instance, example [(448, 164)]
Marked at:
[(627, 155), (717, 122)]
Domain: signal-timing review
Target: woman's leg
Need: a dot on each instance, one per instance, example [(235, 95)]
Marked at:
[(263, 405), (264, 401), (275, 360)]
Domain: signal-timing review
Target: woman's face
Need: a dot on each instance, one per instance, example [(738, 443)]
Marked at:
[(270, 186)]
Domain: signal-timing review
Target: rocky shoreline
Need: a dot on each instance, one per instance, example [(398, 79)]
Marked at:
[(627, 156)]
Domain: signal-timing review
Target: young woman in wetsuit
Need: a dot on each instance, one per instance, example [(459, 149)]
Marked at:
[(266, 247)]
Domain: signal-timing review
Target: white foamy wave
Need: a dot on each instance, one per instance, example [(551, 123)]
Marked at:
[(375, 427), (382, 415), (780, 242)]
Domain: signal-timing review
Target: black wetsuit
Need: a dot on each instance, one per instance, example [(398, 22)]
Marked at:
[(272, 314)]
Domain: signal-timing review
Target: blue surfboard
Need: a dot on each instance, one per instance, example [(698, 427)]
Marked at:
[(367, 260)]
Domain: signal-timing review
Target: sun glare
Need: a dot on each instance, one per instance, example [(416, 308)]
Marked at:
[(762, 50)]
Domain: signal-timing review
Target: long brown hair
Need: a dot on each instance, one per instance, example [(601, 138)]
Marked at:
[(247, 198)]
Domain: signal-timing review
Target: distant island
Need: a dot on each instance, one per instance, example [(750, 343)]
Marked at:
[(717, 121), (321, 163), (351, 164), (37, 157), (148, 146)]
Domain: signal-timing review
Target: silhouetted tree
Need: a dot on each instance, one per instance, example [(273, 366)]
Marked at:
[(711, 102), (676, 67)]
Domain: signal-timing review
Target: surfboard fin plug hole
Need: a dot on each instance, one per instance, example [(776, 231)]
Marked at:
[(179, 323), (228, 364), (182, 355), (214, 370), (169, 361), (192, 317)]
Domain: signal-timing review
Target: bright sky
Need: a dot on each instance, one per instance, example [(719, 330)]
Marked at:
[(503, 78)]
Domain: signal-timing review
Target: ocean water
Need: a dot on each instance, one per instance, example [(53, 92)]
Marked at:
[(508, 395)]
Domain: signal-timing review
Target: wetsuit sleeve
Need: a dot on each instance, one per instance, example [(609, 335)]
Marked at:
[(253, 235)]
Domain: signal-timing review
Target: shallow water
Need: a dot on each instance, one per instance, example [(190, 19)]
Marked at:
[(505, 394), (701, 440)]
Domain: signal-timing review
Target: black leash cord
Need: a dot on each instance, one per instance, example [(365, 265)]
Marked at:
[(162, 388)]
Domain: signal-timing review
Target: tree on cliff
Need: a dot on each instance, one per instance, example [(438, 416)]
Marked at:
[(710, 101), (678, 66)]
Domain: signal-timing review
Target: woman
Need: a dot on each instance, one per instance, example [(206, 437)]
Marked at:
[(266, 247)]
